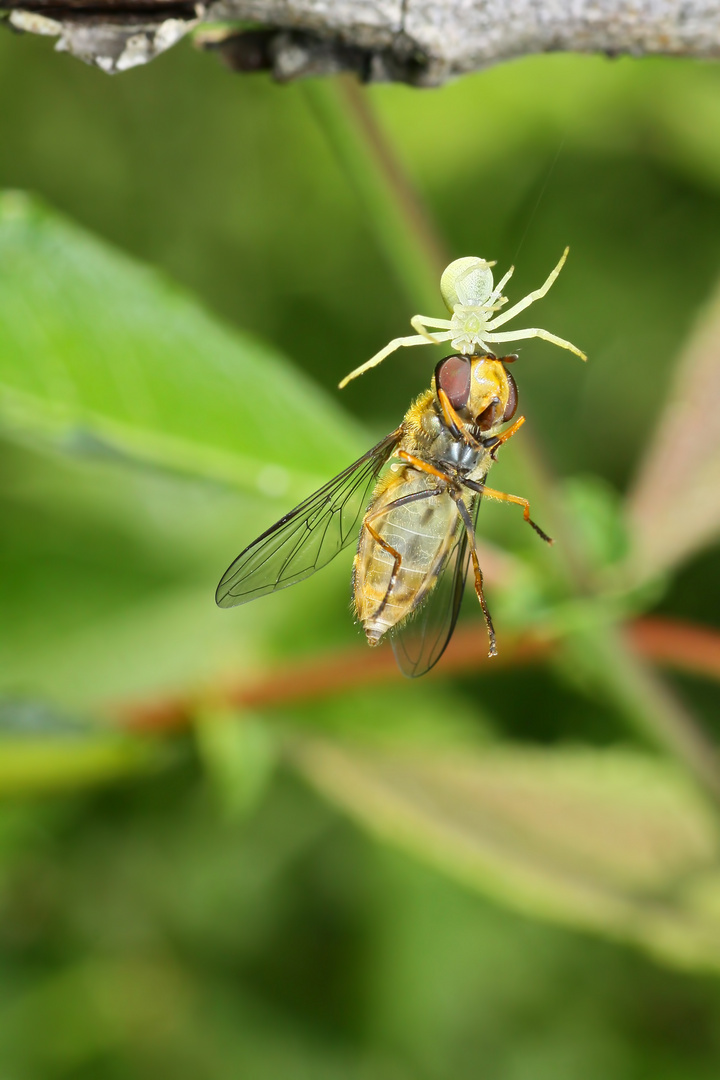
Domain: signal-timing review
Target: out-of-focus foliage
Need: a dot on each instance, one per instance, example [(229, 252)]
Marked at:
[(95, 350), (41, 750), (101, 358), (204, 913), (596, 839), (683, 459)]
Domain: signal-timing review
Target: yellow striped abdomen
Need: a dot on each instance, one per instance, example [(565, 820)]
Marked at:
[(421, 532)]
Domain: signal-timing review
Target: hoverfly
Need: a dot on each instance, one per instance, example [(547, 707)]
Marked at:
[(417, 521)]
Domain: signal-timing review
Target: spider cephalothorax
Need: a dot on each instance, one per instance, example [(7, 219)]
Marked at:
[(473, 301)]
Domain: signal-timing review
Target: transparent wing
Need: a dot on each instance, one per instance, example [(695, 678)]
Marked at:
[(419, 642), (309, 536)]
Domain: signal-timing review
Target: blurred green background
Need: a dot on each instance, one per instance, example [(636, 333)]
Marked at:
[(199, 903)]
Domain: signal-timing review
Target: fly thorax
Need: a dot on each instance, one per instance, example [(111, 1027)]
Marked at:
[(460, 456), (468, 326)]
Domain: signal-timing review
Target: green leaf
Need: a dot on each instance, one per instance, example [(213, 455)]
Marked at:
[(610, 841), (43, 750), (108, 580), (110, 569), (97, 350)]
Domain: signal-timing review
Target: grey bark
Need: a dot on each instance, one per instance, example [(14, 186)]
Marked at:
[(424, 42)]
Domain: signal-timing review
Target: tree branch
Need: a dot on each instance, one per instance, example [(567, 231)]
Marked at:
[(423, 42)]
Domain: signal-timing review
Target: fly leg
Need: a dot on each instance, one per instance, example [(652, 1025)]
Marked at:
[(501, 496), (510, 431), (423, 466), (506, 435), (454, 422), (470, 528), (372, 515)]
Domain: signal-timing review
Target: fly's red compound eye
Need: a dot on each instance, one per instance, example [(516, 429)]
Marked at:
[(453, 376), (511, 407)]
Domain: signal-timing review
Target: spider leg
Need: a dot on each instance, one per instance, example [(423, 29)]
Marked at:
[(391, 346), (421, 323), (497, 291), (537, 332), (531, 297)]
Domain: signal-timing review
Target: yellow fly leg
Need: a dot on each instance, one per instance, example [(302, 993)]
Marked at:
[(423, 466), (479, 589), (502, 496), (510, 432), (454, 422), (501, 439)]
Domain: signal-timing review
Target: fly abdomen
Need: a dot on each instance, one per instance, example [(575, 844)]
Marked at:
[(405, 538)]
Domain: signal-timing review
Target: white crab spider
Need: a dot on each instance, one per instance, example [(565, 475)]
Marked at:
[(467, 289)]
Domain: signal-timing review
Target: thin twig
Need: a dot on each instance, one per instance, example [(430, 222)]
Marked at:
[(680, 645), (404, 231), (677, 645)]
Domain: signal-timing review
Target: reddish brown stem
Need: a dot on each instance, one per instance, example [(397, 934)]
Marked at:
[(672, 643), (679, 645)]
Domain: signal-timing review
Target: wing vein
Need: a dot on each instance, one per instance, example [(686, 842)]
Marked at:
[(310, 535)]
